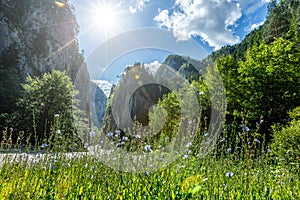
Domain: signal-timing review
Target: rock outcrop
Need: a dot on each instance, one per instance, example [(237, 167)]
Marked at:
[(37, 36)]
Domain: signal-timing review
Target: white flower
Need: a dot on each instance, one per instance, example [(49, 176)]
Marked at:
[(246, 128), (222, 140), (110, 134), (125, 138), (201, 93), (228, 150), (206, 134), (120, 144), (148, 148), (256, 140), (58, 131), (117, 131), (56, 115), (188, 144), (92, 134), (206, 179), (44, 145), (185, 156), (137, 136), (229, 174)]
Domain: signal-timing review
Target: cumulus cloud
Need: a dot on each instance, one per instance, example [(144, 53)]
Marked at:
[(153, 67), (137, 5), (253, 26), (212, 20)]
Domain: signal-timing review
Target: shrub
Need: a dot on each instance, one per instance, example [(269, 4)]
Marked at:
[(46, 106), (286, 142)]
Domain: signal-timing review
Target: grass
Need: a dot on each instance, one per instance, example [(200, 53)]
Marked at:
[(54, 176)]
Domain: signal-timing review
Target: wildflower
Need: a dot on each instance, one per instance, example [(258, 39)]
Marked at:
[(229, 174), (92, 134), (137, 136), (56, 115), (246, 128), (201, 93), (44, 145), (188, 144), (256, 140), (120, 144), (222, 140), (185, 156), (58, 132), (206, 134), (11, 129), (110, 134), (188, 151), (206, 179), (117, 131), (125, 138), (148, 148), (228, 149)]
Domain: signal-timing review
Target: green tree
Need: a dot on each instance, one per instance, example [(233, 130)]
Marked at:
[(269, 79), (47, 107)]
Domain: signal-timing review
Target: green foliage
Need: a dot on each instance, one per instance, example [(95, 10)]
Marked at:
[(44, 99), (264, 85), (169, 109), (286, 142)]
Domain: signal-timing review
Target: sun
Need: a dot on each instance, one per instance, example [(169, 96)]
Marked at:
[(105, 17)]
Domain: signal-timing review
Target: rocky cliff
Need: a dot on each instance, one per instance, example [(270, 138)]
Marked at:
[(98, 101), (37, 36), (141, 95)]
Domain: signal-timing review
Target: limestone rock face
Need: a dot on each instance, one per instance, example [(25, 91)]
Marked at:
[(98, 103), (141, 87), (41, 35)]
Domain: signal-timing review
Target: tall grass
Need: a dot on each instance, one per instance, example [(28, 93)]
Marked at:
[(223, 174)]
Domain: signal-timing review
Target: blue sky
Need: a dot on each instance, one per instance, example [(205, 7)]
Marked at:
[(159, 28)]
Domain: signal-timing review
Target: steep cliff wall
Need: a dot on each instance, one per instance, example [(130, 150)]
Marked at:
[(37, 36)]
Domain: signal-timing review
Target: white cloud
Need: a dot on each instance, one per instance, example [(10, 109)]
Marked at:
[(253, 26), (137, 5), (153, 67), (212, 20)]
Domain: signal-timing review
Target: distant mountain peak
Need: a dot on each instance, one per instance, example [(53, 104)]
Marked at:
[(104, 85)]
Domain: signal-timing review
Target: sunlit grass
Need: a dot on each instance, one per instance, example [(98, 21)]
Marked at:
[(55, 176)]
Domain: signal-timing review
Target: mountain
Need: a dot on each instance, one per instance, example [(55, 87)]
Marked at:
[(104, 85), (37, 36), (98, 104), (100, 91), (141, 87)]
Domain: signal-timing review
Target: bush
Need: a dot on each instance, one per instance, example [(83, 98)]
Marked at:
[(46, 107), (286, 142)]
